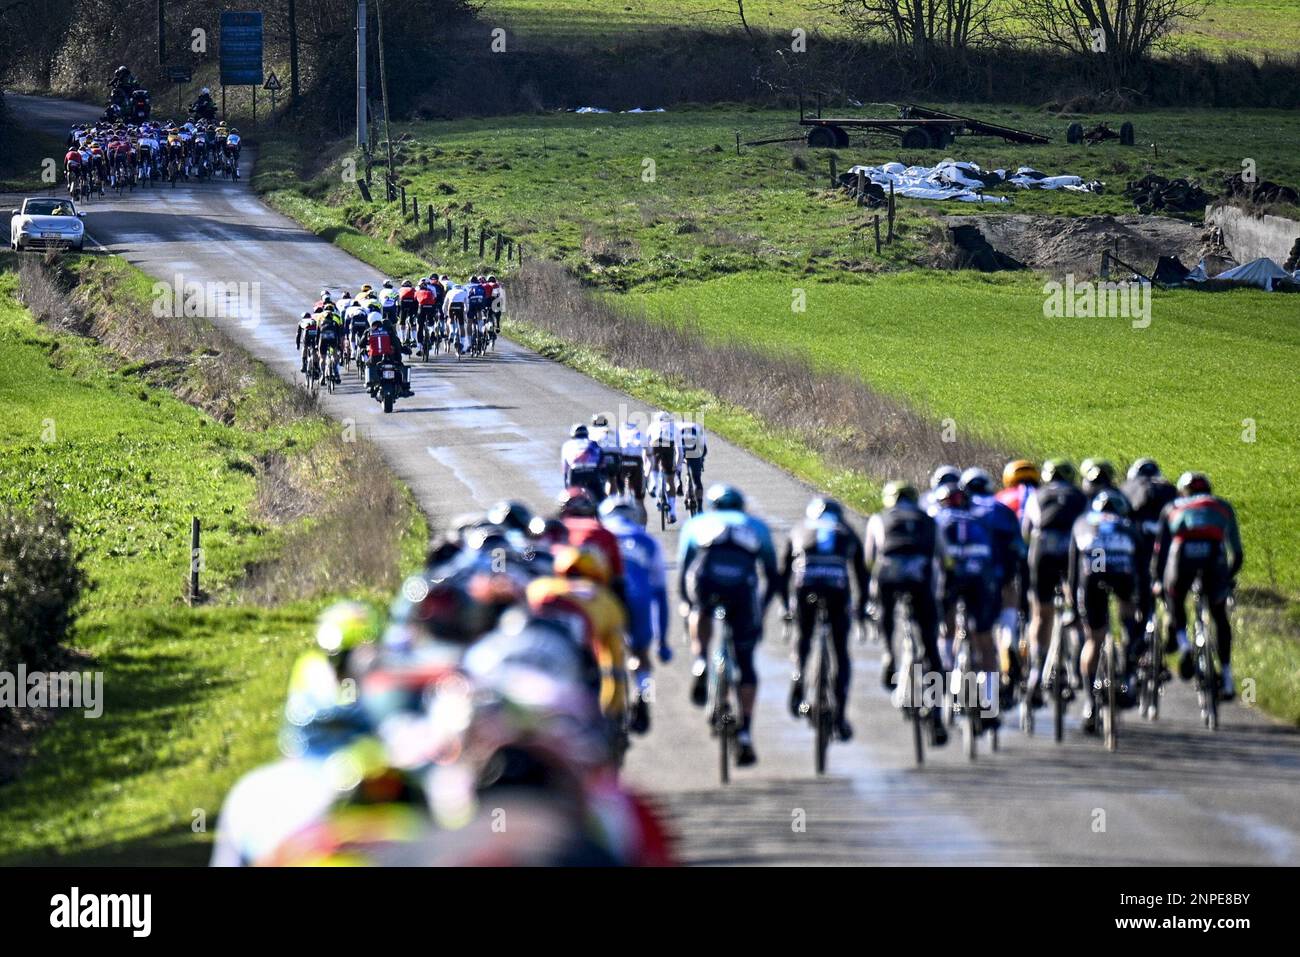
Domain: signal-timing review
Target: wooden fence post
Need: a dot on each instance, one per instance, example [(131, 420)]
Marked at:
[(196, 560), (415, 210), (498, 254), (891, 213), (464, 243), (449, 230), (877, 234), (429, 218), (862, 187)]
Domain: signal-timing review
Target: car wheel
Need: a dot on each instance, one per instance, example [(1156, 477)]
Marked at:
[(81, 246)]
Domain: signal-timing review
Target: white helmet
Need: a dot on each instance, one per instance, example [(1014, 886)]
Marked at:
[(205, 92)]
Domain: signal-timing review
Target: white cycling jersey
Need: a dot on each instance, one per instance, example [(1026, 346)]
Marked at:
[(663, 433), (268, 805), (692, 441), (606, 437), (632, 440)]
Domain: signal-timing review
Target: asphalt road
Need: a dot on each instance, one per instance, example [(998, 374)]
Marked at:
[(482, 430)]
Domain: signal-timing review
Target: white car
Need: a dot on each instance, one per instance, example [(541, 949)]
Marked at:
[(46, 223)]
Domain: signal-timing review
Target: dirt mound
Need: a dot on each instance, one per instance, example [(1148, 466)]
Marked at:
[(1063, 244)]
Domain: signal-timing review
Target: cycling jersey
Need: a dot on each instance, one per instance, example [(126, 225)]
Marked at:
[(823, 555), (594, 614), (969, 565), (1004, 533), (645, 589), (589, 531), (1103, 553), (578, 456)]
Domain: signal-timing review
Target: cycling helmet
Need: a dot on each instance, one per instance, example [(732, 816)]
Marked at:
[(205, 92), (582, 562), (458, 608), (975, 481), (626, 506), (306, 315), (346, 625), (375, 320), (528, 641), (1193, 483), (492, 279), (367, 288), (575, 502), (724, 498), (945, 475), (1098, 472), (120, 70), (406, 283), (388, 284), (664, 416), (1109, 500), (549, 531), (898, 491), (1144, 468), (600, 420), (1020, 472), (577, 431), (514, 516), (1061, 470), (824, 506), (950, 496), (346, 295)]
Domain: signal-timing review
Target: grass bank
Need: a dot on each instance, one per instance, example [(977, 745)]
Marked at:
[(132, 444)]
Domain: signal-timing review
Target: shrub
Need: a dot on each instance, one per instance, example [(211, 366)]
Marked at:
[(41, 581)]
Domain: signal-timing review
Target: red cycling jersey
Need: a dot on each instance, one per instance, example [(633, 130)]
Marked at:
[(408, 292), (426, 298), (1015, 498), (381, 344)]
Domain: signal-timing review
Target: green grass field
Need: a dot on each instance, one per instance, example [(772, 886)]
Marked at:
[(631, 200), (1239, 26), (192, 696)]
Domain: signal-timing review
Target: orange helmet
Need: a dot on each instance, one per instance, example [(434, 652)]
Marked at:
[(1020, 472), (581, 562)]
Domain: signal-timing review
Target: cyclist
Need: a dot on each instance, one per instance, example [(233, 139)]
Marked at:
[(1103, 548), (1197, 535), (1046, 526), (606, 437), (578, 594), (632, 455), (970, 575), (694, 449), (665, 455), (720, 555), (1097, 474), (823, 559), (581, 459), (943, 475), (1019, 480), (308, 334), (1008, 556), (407, 309), (496, 301), (902, 551), (645, 593), (457, 303), (426, 301), (329, 341), (1148, 493)]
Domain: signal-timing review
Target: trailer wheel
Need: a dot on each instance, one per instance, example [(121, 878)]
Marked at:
[(822, 137), (1074, 133), (1126, 134), (917, 138), (841, 136)]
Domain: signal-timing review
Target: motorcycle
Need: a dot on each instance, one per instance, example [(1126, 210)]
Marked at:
[(389, 383)]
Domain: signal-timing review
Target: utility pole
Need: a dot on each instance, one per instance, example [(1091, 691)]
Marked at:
[(363, 140), (383, 89), (293, 54)]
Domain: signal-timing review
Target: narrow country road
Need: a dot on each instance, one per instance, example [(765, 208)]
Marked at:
[(483, 430)]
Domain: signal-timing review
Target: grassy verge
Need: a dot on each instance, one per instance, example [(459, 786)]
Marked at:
[(192, 696)]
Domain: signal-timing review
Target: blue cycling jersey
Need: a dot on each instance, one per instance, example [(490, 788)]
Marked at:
[(644, 582)]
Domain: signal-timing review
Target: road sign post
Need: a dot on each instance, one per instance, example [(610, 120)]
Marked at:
[(272, 86)]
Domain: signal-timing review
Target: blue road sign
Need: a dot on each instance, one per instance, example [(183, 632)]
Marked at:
[(241, 48)]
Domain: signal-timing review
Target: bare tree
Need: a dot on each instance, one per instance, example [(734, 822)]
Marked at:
[(920, 24), (1122, 32)]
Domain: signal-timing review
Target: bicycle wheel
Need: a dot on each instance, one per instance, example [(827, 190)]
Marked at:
[(821, 709), (1110, 713), (723, 711), (1057, 669)]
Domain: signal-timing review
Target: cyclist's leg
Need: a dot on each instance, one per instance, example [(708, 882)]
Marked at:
[(837, 608), (805, 615), (1043, 575), (1094, 613), (1217, 587), (887, 595)]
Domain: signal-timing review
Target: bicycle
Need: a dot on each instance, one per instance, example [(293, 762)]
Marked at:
[(909, 694), (722, 678), (1151, 672), (693, 496), (1205, 643), (1055, 671), (1105, 682), (311, 378), (820, 712), (964, 678)]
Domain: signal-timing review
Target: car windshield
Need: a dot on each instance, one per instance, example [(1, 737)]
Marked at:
[(48, 207)]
